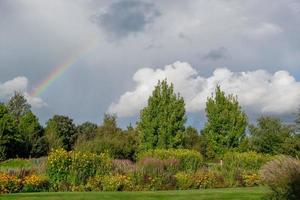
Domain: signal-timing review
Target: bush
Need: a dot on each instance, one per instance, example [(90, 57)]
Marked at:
[(184, 180), (251, 179), (123, 166), (155, 174), (283, 178), (86, 165), (189, 160), (205, 179), (35, 183), (245, 161), (115, 182), (74, 168), (58, 166), (9, 183)]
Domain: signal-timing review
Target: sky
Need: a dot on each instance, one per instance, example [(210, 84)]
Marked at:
[(84, 58)]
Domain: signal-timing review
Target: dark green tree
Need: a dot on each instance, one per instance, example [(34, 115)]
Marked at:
[(297, 122), (226, 122), (9, 136), (161, 123), (60, 131), (269, 135), (112, 139), (18, 106), (87, 130), (32, 135), (191, 139)]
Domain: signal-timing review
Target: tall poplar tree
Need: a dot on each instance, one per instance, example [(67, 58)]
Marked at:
[(226, 122), (161, 123)]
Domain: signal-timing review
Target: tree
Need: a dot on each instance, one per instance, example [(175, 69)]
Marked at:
[(32, 135), (60, 132), (191, 139), (269, 135), (18, 106), (110, 138), (161, 123), (226, 122), (297, 122), (87, 130), (9, 136)]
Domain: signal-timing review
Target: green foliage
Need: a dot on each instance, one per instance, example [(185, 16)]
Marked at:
[(189, 160), (60, 132), (269, 135), (9, 136), (192, 139), (297, 122), (199, 179), (18, 106), (74, 168), (58, 166), (86, 131), (245, 161), (32, 135), (226, 122), (161, 123), (111, 139), (282, 176), (34, 183)]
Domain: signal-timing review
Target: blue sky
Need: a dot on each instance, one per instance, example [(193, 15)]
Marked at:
[(251, 48)]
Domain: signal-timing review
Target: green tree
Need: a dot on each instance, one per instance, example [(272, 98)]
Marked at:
[(297, 122), (226, 122), (18, 106), (110, 138), (269, 135), (9, 136), (87, 131), (60, 132), (161, 123), (191, 139), (32, 135)]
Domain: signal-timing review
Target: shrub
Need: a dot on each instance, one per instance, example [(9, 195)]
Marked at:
[(251, 179), (35, 183), (94, 184), (204, 179), (184, 180), (283, 178), (123, 166), (115, 182), (74, 168), (156, 174), (85, 165), (9, 183), (245, 161), (58, 166), (189, 160)]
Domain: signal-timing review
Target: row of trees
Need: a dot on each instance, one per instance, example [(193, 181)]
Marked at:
[(161, 125)]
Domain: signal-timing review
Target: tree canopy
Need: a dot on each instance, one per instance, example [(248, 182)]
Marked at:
[(161, 123), (226, 122)]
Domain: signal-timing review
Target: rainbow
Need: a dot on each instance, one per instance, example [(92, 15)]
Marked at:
[(59, 70)]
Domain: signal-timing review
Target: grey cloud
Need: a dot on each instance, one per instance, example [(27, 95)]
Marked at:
[(217, 54), (125, 17)]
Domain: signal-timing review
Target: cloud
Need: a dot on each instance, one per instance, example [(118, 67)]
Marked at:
[(19, 84), (259, 91), (217, 54), (125, 17)]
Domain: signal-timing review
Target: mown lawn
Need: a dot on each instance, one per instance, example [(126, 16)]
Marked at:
[(208, 194)]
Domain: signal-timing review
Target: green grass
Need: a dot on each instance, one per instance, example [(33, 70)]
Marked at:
[(207, 194)]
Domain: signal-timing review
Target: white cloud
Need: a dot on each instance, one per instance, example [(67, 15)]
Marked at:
[(258, 91), (19, 84)]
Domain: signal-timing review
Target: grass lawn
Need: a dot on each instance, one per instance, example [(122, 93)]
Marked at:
[(213, 194)]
